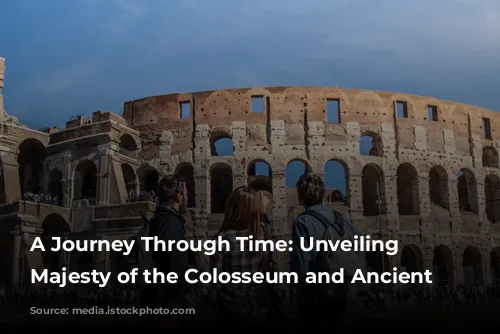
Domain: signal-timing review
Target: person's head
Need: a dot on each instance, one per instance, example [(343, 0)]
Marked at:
[(310, 190), (243, 209), (172, 191)]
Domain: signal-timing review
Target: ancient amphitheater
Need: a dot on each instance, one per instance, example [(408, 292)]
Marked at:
[(430, 180)]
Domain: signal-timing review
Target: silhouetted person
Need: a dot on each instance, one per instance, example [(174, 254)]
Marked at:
[(169, 224), (316, 312), (237, 305)]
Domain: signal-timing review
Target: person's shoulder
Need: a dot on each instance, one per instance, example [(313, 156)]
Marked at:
[(301, 219)]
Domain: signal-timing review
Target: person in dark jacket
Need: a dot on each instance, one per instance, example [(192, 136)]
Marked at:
[(169, 224), (314, 315)]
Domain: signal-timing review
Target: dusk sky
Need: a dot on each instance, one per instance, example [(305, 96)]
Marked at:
[(70, 57)]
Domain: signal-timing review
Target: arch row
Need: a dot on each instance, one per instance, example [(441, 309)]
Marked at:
[(467, 267), (373, 199)]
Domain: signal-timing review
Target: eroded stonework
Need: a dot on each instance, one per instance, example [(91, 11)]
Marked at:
[(433, 184)]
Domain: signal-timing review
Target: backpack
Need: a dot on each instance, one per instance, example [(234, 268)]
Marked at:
[(333, 261), (137, 258)]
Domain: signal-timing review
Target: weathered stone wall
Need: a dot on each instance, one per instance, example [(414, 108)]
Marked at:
[(294, 126)]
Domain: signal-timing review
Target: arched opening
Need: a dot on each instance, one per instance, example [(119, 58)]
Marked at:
[(221, 144), (438, 187), (336, 181), (370, 143), (492, 197), (127, 143), (412, 259), (55, 186), (294, 170), (31, 156), (373, 188), (490, 157), (221, 185), (53, 225), (260, 179), (85, 183), (130, 181), (186, 171), (81, 262), (467, 192), (407, 185), (148, 179), (377, 262), (495, 266), (443, 269), (472, 266)]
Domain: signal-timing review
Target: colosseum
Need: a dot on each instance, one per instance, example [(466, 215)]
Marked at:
[(417, 169)]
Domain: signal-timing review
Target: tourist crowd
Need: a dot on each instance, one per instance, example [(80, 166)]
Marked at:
[(41, 198)]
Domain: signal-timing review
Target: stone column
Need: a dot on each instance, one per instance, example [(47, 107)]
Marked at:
[(16, 258), (104, 173), (453, 201), (10, 173), (356, 199), (459, 270), (486, 266), (484, 226)]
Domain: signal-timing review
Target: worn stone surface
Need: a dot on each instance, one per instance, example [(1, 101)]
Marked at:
[(407, 188)]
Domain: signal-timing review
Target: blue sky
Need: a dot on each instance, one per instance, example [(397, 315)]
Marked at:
[(70, 57)]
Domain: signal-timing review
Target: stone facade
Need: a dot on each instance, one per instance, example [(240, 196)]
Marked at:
[(431, 179)]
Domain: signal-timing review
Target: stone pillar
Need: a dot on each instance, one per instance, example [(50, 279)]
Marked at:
[(10, 173), (104, 173), (459, 270), (16, 259), (486, 266), (484, 226), (356, 199), (453, 201)]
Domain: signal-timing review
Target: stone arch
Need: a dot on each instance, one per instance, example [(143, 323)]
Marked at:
[(85, 180), (56, 186), (336, 175), (407, 189), (472, 266), (294, 169), (412, 259), (30, 157), (443, 268), (373, 188), (129, 178), (467, 191), (260, 179), (148, 180), (490, 157), (438, 187), (492, 197), (370, 143), (495, 266), (127, 142), (186, 171), (221, 186), (221, 143), (53, 225)]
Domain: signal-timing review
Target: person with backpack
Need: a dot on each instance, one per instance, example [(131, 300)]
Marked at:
[(321, 306), (169, 224)]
